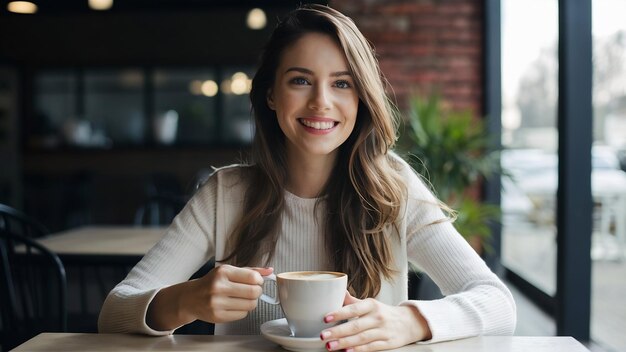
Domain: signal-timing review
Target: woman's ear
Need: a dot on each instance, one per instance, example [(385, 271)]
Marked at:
[(270, 99)]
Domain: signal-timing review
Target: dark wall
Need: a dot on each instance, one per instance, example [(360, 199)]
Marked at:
[(178, 37)]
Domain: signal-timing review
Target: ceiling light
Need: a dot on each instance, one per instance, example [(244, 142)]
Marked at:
[(209, 88), (239, 86), (239, 75), (25, 7), (100, 5), (256, 19)]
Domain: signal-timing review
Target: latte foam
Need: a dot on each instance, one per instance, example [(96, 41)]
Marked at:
[(310, 275)]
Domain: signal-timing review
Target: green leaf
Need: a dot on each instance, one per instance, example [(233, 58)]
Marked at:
[(452, 150)]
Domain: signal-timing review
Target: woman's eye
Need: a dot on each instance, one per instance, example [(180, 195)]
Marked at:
[(342, 84), (299, 81)]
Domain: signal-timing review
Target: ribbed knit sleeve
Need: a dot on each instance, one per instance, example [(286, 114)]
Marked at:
[(476, 302), (188, 243)]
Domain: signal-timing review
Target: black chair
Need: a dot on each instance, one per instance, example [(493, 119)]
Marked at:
[(159, 183), (32, 289), (159, 210), (16, 222)]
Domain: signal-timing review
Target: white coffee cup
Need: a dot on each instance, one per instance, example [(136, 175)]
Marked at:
[(306, 297)]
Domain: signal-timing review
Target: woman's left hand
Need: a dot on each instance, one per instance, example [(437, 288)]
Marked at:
[(373, 326)]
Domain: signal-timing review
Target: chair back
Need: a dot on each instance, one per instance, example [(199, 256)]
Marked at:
[(16, 222), (33, 286), (158, 210)]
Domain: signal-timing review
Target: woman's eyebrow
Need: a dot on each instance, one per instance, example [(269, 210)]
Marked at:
[(299, 69), (309, 72), (340, 73)]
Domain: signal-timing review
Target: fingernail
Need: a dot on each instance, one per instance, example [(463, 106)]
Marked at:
[(328, 318), (324, 335), (331, 345), (349, 349)]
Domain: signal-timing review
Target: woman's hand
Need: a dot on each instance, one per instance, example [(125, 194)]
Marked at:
[(227, 293), (373, 326)]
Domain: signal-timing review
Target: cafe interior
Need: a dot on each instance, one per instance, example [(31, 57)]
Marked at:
[(114, 112)]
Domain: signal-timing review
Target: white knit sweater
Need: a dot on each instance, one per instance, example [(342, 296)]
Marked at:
[(476, 301)]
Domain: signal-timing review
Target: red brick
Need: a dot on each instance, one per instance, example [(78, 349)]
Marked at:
[(425, 43)]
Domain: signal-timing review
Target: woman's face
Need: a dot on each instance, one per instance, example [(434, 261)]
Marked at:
[(314, 96)]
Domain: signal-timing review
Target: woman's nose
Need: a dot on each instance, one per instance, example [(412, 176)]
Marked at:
[(320, 99)]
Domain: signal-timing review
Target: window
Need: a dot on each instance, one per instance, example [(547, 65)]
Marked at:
[(113, 111), (55, 105), (136, 107), (185, 103), (529, 136), (235, 87), (608, 249)]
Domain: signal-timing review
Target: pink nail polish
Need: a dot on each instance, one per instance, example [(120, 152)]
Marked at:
[(328, 318), (324, 335)]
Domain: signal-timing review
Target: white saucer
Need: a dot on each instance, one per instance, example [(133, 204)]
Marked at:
[(278, 332)]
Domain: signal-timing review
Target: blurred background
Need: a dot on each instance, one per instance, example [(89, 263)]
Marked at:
[(106, 105)]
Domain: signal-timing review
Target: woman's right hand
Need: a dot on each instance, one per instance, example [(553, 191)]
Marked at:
[(227, 293)]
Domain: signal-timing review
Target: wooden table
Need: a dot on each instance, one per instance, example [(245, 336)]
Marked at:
[(121, 342), (103, 244)]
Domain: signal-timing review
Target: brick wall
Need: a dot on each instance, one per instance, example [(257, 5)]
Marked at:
[(425, 44)]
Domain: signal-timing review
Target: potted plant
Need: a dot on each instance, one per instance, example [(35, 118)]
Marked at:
[(451, 150)]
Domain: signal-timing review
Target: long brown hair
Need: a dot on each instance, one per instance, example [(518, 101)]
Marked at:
[(364, 198)]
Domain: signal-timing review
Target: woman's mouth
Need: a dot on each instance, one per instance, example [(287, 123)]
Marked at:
[(318, 125)]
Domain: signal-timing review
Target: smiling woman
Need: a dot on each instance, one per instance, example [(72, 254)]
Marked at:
[(315, 103), (324, 192)]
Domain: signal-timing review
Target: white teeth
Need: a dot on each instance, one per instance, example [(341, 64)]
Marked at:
[(318, 125)]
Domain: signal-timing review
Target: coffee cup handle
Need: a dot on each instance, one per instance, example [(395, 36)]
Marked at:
[(269, 299)]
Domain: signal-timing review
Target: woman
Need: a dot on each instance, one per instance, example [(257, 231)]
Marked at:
[(324, 192)]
